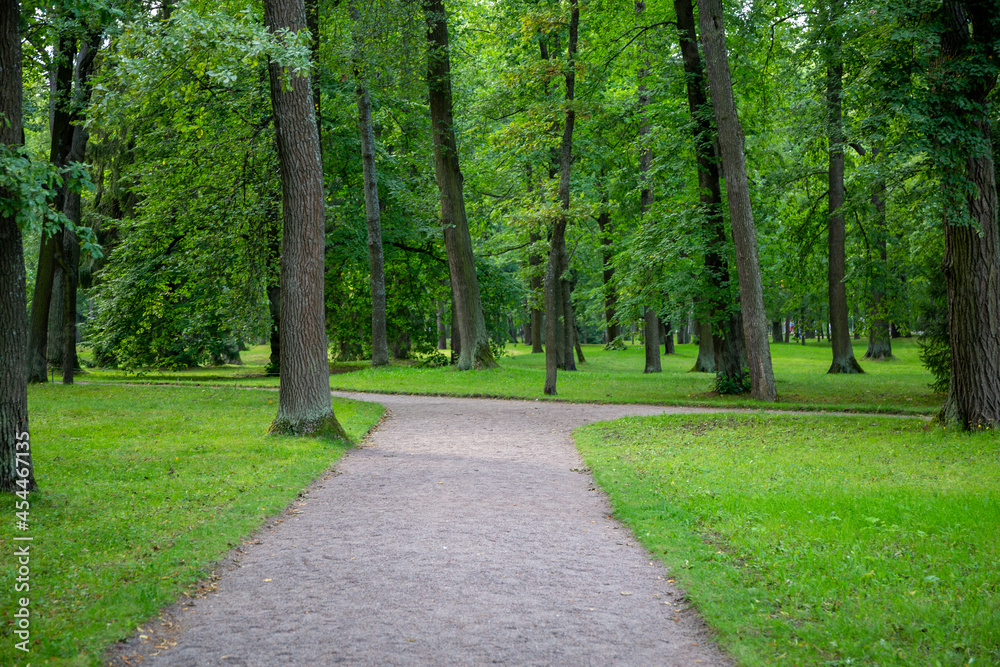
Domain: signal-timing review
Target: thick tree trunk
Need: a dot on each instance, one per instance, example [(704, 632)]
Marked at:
[(304, 405), (715, 332), (476, 351), (380, 346), (57, 302), (971, 261), (776, 332), (15, 451), (788, 329), (556, 344), (840, 336), (274, 311), (740, 212), (651, 341)]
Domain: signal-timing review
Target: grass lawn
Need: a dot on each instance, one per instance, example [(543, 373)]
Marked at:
[(142, 489), (818, 540), (898, 386)]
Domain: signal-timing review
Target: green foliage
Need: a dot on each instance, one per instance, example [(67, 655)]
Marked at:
[(728, 385), (816, 540), (29, 185)]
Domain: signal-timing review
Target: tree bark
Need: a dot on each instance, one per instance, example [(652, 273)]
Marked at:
[(879, 338), (667, 334), (59, 148), (740, 212), (476, 351), (557, 266), (376, 280), (304, 405), (569, 326), (776, 332), (840, 336), (971, 263), (535, 283), (14, 459), (611, 328), (715, 332), (651, 320)]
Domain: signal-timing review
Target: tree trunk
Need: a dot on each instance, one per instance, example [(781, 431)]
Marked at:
[(776, 332), (715, 331), (15, 451), (705, 363), (536, 286), (788, 329), (304, 405), (611, 328), (59, 148), (557, 265), (274, 311), (70, 251), (651, 320), (840, 336), (54, 337), (579, 348), (740, 212), (971, 261), (476, 352), (380, 346), (569, 324), (667, 334), (879, 338), (456, 336), (442, 343)]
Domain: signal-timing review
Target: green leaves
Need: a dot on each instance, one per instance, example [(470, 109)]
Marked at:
[(28, 188)]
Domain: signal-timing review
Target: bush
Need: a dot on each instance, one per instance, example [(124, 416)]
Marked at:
[(727, 384)]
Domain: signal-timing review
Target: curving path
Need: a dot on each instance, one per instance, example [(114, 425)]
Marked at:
[(462, 532)]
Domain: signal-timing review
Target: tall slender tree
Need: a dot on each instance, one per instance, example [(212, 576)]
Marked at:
[(304, 405), (713, 36), (840, 338), (373, 214), (475, 349), (554, 324), (13, 303), (650, 318)]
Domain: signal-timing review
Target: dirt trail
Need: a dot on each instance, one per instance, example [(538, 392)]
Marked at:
[(462, 532)]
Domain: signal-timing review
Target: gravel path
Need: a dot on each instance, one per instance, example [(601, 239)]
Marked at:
[(462, 532)]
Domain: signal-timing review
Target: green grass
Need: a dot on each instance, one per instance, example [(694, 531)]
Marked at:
[(141, 491), (817, 540), (898, 386)]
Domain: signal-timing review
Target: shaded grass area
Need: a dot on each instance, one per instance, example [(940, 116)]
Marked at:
[(899, 386), (141, 491), (817, 540)]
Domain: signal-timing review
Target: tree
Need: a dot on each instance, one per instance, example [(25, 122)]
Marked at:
[(840, 339), (740, 212), (304, 405), (720, 328), (468, 310), (556, 326), (650, 319), (380, 346), (13, 303), (962, 80)]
